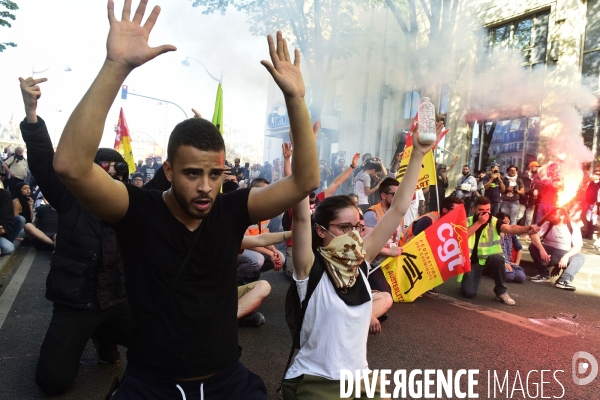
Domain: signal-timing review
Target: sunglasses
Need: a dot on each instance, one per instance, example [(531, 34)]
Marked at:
[(120, 167), (347, 227)]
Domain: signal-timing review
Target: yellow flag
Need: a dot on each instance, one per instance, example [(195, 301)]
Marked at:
[(123, 142)]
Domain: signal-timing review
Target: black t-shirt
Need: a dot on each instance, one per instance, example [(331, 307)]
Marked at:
[(47, 218), (492, 192), (148, 172), (193, 330), (474, 259)]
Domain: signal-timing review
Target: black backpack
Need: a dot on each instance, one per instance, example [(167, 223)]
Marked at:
[(294, 310)]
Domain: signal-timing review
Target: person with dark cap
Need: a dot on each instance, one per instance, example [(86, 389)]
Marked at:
[(86, 281), (137, 179)]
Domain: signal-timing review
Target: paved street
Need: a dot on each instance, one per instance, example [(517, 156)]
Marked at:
[(440, 331)]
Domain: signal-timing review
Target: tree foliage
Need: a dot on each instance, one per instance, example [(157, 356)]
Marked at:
[(5, 16), (322, 29)]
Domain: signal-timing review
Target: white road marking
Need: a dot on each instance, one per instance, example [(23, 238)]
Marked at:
[(522, 322), (10, 293)]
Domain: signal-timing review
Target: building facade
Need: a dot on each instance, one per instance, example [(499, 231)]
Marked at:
[(509, 72)]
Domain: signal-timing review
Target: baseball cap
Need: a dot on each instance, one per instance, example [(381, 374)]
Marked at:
[(534, 164)]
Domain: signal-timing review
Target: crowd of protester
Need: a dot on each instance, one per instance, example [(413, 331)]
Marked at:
[(211, 229)]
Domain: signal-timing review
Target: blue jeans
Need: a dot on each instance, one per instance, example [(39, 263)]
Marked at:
[(6, 242), (573, 266), (472, 279), (511, 208)]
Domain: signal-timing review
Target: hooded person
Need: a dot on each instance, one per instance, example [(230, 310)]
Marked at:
[(22, 202), (86, 281)]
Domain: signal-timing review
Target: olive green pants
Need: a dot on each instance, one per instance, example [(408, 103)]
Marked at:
[(312, 387)]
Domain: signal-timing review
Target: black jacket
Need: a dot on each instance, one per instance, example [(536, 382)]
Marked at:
[(7, 213), (86, 270)]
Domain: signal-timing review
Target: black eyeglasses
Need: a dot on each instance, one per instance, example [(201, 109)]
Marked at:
[(347, 227), (120, 167)]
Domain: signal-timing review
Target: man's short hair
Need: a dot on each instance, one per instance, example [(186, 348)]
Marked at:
[(198, 133), (371, 165), (466, 165), (448, 202), (512, 166), (257, 181), (481, 201), (386, 184), (366, 155)]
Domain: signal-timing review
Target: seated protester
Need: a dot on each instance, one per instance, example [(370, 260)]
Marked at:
[(426, 220), (22, 203), (416, 204), (486, 252), (251, 295), (387, 190), (42, 231), (250, 262), (10, 225), (314, 199), (514, 272), (557, 245), (137, 179), (340, 309)]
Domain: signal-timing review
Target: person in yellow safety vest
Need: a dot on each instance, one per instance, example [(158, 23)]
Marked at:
[(486, 252), (387, 189), (426, 220)]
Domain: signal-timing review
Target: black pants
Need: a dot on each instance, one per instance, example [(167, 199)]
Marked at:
[(234, 382), (66, 338), (472, 279)]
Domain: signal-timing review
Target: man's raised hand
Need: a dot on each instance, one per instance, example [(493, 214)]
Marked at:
[(127, 42), (286, 150), (197, 115), (31, 93), (287, 75)]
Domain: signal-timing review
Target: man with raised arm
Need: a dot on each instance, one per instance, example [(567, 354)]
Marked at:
[(181, 274)]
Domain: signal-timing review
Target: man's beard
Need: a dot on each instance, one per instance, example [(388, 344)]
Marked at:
[(465, 173), (188, 206)]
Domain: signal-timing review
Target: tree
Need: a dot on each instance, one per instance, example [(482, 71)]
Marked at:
[(322, 29), (4, 17)]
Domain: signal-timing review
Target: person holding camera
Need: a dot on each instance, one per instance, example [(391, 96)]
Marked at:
[(484, 233), (493, 186), (466, 187)]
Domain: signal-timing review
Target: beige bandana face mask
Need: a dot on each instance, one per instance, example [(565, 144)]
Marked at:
[(342, 257)]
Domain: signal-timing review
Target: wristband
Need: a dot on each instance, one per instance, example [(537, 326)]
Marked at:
[(352, 166)]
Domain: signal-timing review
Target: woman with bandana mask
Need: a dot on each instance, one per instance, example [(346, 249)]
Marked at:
[(339, 313)]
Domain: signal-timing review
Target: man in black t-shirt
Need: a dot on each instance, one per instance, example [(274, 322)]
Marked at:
[(181, 274), (148, 170), (42, 231)]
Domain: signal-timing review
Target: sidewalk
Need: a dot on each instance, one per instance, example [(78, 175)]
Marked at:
[(589, 275)]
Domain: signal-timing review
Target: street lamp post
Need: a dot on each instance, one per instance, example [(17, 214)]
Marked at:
[(33, 71), (187, 64)]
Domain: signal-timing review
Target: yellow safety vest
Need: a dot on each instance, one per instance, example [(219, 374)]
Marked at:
[(489, 241)]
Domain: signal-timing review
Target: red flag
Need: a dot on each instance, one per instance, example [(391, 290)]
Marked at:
[(123, 142)]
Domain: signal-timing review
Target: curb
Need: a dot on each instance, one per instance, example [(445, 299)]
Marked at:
[(5, 262)]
